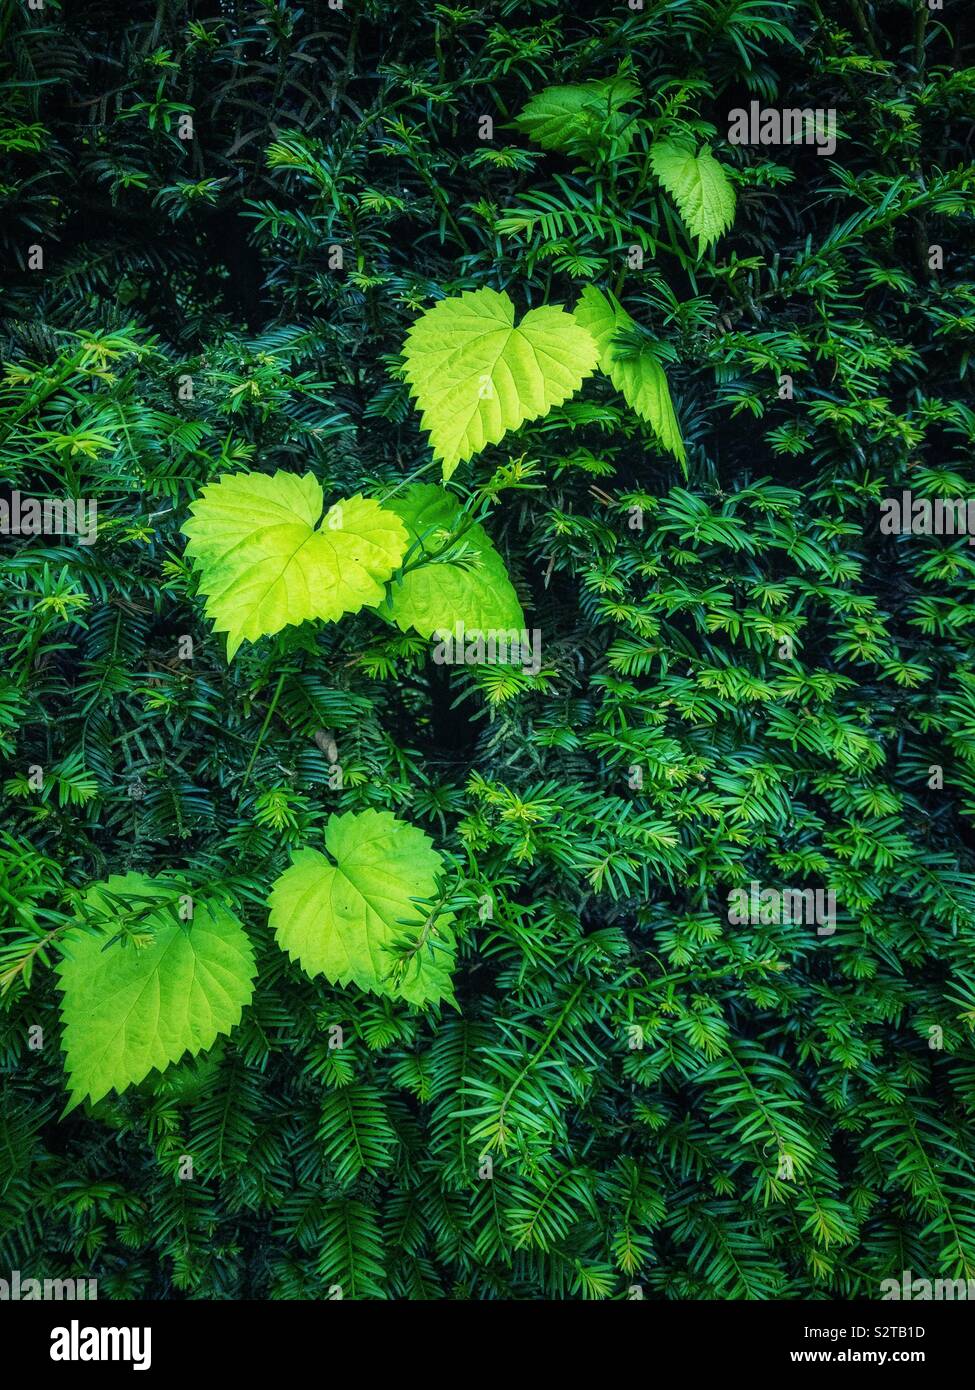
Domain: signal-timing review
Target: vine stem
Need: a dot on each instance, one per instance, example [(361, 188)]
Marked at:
[(267, 719)]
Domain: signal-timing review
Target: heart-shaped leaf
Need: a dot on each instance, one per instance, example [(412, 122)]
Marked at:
[(581, 117), (475, 375), (474, 590), (264, 565), (127, 1008), (340, 919)]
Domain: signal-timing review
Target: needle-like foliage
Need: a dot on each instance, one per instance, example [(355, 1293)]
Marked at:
[(251, 239)]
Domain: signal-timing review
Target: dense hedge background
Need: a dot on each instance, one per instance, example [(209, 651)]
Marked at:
[(586, 905)]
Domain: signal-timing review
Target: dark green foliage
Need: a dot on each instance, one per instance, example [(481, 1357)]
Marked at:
[(789, 1127)]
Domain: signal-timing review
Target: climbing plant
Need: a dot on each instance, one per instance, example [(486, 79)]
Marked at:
[(352, 353)]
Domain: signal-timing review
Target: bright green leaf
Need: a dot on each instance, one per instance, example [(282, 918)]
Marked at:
[(476, 376), (582, 117), (475, 590), (638, 377), (339, 919), (127, 1008), (698, 185), (263, 564)]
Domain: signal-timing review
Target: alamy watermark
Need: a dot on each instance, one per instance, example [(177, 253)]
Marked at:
[(16, 1289), (927, 516), (926, 1290), (77, 1343), (758, 906), (50, 516), (790, 126), (474, 646)]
